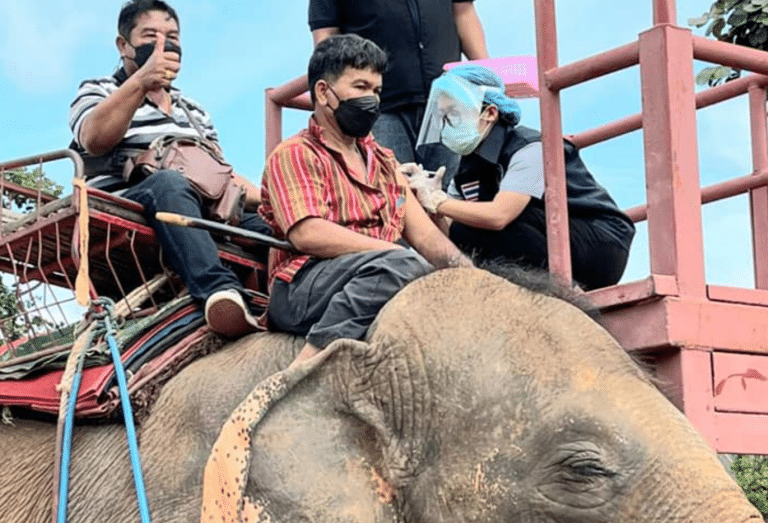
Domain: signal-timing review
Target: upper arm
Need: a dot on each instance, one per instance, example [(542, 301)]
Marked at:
[(525, 172), (318, 35), (462, 11), (89, 95), (294, 186), (462, 6), (470, 30), (416, 222)]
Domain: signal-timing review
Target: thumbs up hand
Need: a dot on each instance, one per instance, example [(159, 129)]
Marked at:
[(161, 68)]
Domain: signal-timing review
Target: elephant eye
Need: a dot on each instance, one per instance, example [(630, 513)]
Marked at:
[(585, 466), (578, 474), (591, 470)]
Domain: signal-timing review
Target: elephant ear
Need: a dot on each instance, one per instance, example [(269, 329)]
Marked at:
[(385, 385)]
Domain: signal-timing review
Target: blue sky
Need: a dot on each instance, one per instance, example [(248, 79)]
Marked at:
[(235, 49)]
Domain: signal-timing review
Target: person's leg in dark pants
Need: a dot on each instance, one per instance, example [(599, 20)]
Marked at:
[(191, 252), (340, 297), (597, 260), (254, 222), (393, 131), (522, 242)]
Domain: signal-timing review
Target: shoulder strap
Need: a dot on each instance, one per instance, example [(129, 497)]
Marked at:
[(192, 120), (207, 144)]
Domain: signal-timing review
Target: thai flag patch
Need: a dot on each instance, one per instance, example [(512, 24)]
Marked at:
[(471, 190)]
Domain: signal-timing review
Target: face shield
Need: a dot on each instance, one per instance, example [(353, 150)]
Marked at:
[(452, 115)]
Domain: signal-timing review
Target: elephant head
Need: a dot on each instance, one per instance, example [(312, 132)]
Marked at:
[(493, 403)]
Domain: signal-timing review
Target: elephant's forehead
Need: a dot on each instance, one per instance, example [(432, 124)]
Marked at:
[(473, 318)]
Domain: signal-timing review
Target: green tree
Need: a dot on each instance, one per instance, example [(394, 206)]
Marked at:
[(31, 179), (740, 22), (752, 476)]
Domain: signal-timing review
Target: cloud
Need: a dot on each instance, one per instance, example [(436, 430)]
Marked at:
[(39, 40)]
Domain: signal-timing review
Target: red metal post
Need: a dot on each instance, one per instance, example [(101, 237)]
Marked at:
[(664, 12), (671, 157), (758, 198), (287, 95), (558, 243), (273, 117), (685, 377)]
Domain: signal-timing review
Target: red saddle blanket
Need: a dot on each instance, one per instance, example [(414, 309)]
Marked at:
[(169, 342)]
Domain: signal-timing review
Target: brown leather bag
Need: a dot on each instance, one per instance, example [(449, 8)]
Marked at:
[(201, 162), (207, 172)]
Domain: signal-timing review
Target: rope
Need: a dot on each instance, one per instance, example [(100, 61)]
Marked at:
[(69, 387), (125, 400), (67, 443), (82, 282)]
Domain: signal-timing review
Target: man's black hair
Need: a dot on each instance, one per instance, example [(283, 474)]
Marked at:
[(132, 9), (336, 53)]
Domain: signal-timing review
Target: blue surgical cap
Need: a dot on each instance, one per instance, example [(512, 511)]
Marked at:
[(494, 95)]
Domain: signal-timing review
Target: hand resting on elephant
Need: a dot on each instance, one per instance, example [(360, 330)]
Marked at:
[(471, 400)]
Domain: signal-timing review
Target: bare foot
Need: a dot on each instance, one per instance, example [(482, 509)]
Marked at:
[(306, 352)]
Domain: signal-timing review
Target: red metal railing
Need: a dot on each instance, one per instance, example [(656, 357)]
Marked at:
[(293, 94), (665, 54)]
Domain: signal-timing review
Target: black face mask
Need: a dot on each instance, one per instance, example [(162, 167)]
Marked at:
[(143, 52), (356, 116)]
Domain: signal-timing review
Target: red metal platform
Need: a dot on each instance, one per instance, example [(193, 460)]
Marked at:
[(708, 343), (41, 251)]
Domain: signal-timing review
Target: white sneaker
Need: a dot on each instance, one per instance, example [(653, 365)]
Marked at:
[(226, 314)]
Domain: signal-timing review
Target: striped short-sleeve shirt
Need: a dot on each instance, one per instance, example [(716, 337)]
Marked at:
[(149, 122), (306, 177)]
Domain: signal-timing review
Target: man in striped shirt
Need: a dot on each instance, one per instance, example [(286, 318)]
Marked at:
[(117, 117), (338, 197)]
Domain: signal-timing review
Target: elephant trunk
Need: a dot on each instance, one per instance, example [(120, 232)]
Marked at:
[(694, 490), (682, 481), (728, 507)]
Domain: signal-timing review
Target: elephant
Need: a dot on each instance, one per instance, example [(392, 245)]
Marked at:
[(472, 399)]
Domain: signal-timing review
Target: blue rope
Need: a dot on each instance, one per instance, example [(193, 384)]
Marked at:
[(67, 442), (125, 401)]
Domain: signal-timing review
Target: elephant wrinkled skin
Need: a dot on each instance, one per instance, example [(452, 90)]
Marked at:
[(472, 400)]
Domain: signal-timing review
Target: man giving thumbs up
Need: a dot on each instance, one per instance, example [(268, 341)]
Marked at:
[(116, 118)]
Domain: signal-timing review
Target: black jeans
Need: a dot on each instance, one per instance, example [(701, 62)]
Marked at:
[(596, 259), (340, 297), (191, 252)]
